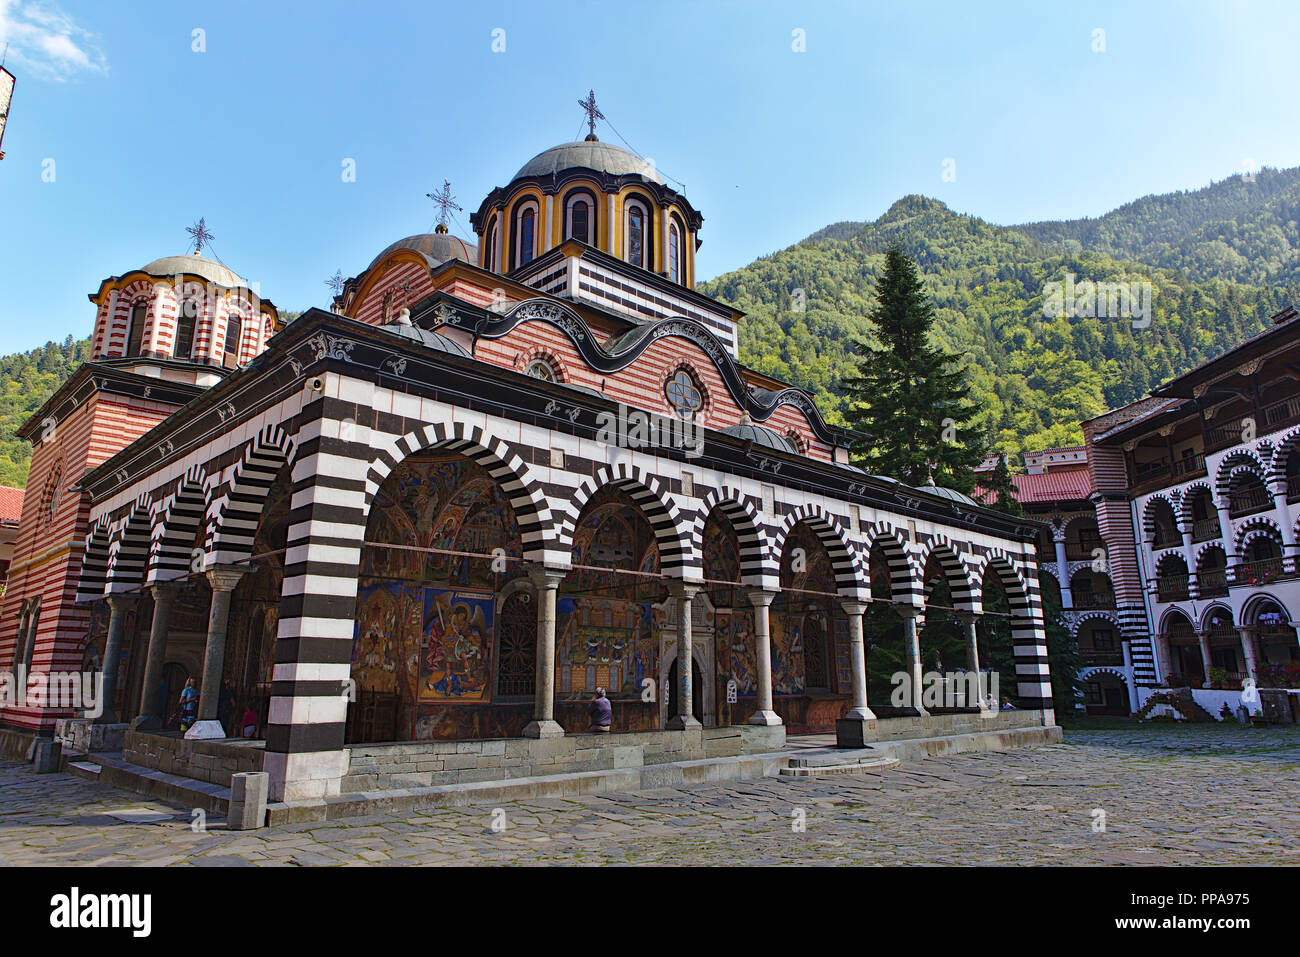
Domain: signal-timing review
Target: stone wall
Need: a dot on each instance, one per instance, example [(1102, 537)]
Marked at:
[(374, 767), (210, 761)]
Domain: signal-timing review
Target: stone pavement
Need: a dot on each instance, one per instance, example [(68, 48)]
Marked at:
[(1169, 795)]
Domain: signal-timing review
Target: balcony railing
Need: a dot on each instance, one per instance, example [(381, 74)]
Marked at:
[(1145, 471), (1279, 414), (1089, 600), (1212, 582), (1224, 635), (1222, 436), (1252, 499), (1188, 465), (1292, 488), (1205, 529), (1078, 551), (1172, 587), (1260, 572), (1166, 538)]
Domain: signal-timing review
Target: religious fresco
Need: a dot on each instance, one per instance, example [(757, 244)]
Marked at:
[(736, 656), (390, 618), (793, 612), (604, 643), (441, 500), (456, 653)]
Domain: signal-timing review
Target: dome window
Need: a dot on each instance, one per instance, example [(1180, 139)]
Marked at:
[(490, 247), (526, 234), (638, 224), (540, 369), (684, 395), (233, 330), (186, 318), (135, 333), (580, 224), (674, 253)]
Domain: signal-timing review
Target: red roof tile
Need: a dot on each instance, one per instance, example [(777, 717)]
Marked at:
[(11, 503), (1062, 485)]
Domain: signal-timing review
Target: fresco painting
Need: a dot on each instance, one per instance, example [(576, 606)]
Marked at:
[(456, 651)]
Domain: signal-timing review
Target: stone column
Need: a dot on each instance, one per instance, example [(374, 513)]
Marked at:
[(1248, 648), (1203, 639), (761, 599), (912, 642), (1282, 511), (223, 581), (118, 606), (851, 731), (547, 583), (1062, 569), (152, 707), (685, 718), (973, 661), (1189, 559), (1225, 531)]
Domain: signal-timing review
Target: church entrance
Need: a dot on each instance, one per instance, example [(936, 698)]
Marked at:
[(674, 692)]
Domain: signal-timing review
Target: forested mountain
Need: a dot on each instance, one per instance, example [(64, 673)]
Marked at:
[(1035, 377), (27, 379)]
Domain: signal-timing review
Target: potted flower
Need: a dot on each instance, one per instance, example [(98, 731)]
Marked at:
[(1218, 678)]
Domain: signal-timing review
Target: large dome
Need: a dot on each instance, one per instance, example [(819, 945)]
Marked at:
[(197, 266), (435, 247), (589, 154)]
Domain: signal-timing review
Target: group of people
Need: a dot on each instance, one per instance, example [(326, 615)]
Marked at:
[(189, 709)]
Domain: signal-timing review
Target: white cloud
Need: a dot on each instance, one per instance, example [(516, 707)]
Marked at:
[(45, 43)]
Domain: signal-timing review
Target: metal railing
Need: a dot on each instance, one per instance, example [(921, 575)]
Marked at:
[(1252, 499), (1165, 538), (1092, 600), (1212, 582), (1172, 587), (1260, 572), (1098, 656), (1205, 529)]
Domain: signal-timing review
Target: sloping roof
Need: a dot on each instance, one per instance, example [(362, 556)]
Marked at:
[(11, 504), (1060, 485)]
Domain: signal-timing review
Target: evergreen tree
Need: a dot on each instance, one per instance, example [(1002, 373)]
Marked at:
[(1002, 491), (909, 397)]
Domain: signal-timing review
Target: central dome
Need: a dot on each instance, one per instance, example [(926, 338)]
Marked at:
[(589, 154), (197, 266)]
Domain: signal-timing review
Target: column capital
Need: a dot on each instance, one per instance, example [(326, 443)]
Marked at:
[(545, 577), (761, 597), (120, 601), (965, 616), (854, 606), (909, 611), (226, 577), (166, 591), (684, 590)]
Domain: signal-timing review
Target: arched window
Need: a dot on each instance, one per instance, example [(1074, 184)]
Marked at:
[(490, 246), (135, 335), (517, 647), (579, 218), (540, 369), (186, 318), (234, 329), (526, 234), (675, 271), (684, 395), (638, 232)]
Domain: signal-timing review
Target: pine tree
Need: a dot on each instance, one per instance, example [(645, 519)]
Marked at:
[(909, 398), (1002, 491)]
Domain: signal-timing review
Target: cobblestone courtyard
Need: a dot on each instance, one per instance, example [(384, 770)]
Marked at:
[(1170, 795)]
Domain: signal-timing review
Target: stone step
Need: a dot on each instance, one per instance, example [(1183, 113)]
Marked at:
[(829, 757), (113, 771), (863, 766)]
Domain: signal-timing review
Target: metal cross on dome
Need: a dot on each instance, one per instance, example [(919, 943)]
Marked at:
[(336, 282), (199, 233), (445, 202), (589, 106)]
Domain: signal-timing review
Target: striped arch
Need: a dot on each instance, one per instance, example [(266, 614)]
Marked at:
[(965, 593), (1029, 640), (758, 566), (1286, 446), (129, 552), (94, 562), (1189, 495), (527, 498), (1239, 461), (233, 517), (1149, 514), (1171, 558), (1104, 670), (180, 516), (850, 577), (1108, 617), (904, 576), (1253, 528), (1208, 613), (672, 532), (1205, 547)]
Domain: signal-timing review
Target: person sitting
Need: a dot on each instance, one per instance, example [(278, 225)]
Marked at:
[(1007, 705), (601, 711), (248, 723)]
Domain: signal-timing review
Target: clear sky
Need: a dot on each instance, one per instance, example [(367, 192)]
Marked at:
[(146, 135)]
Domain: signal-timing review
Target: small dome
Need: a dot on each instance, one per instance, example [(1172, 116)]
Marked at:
[(197, 266), (437, 248), (948, 493), (425, 337), (759, 435), (589, 154)]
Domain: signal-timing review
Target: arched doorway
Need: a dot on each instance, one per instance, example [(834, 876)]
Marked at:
[(697, 690)]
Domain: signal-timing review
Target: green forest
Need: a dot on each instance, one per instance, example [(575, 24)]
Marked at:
[(1220, 260)]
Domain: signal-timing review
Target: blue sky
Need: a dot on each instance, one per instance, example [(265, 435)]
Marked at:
[(146, 135)]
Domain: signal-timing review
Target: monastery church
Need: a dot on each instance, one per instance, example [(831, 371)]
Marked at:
[(400, 519)]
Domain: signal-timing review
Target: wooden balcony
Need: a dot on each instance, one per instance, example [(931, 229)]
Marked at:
[(1089, 601), (1205, 529), (1253, 499), (1212, 583), (1172, 587), (1276, 416), (1260, 573), (1093, 657)]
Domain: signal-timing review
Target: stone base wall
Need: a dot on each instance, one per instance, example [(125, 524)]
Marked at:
[(210, 761), (15, 744), (941, 725), (374, 767)]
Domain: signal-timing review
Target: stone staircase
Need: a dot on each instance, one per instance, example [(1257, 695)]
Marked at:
[(1181, 701), (824, 762)]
